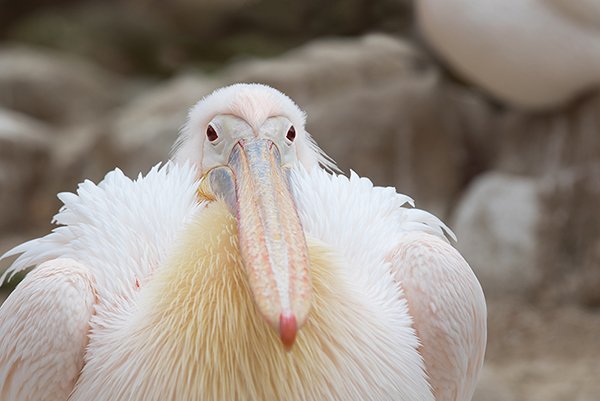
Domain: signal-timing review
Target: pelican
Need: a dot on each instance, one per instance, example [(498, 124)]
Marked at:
[(534, 54), (242, 269)]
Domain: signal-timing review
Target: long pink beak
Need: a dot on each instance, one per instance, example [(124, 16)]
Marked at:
[(271, 238)]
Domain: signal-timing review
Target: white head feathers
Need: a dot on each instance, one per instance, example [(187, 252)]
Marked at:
[(254, 103)]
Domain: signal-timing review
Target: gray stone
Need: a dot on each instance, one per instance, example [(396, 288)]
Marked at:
[(546, 143), (569, 236), (80, 152), (144, 131), (492, 386), (134, 39), (53, 86), (496, 223), (333, 67), (24, 155), (385, 132)]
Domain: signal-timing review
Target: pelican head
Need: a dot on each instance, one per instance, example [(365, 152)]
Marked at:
[(244, 139)]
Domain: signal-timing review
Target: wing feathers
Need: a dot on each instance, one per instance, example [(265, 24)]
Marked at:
[(448, 310), (44, 325)]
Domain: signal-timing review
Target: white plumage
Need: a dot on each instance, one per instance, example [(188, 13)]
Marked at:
[(400, 317)]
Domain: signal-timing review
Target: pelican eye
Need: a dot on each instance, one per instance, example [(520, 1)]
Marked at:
[(211, 134), (291, 134)]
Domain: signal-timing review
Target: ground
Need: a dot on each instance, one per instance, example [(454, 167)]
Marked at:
[(535, 353)]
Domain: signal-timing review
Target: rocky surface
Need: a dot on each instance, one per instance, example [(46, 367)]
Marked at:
[(569, 236), (134, 37), (54, 87), (496, 223), (545, 143), (540, 354), (331, 67), (24, 155), (143, 132)]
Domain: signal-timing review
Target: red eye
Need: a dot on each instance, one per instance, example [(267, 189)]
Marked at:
[(291, 134), (211, 134)]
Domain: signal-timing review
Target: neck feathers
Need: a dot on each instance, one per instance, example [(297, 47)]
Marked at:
[(198, 334)]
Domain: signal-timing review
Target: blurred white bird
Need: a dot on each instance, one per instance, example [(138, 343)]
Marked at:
[(241, 270), (531, 53)]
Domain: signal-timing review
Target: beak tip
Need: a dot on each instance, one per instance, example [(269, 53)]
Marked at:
[(288, 328)]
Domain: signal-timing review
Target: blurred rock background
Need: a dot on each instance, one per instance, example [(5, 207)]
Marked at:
[(89, 85)]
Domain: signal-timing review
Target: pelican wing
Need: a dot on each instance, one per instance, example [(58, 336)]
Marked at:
[(44, 327), (448, 310)]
